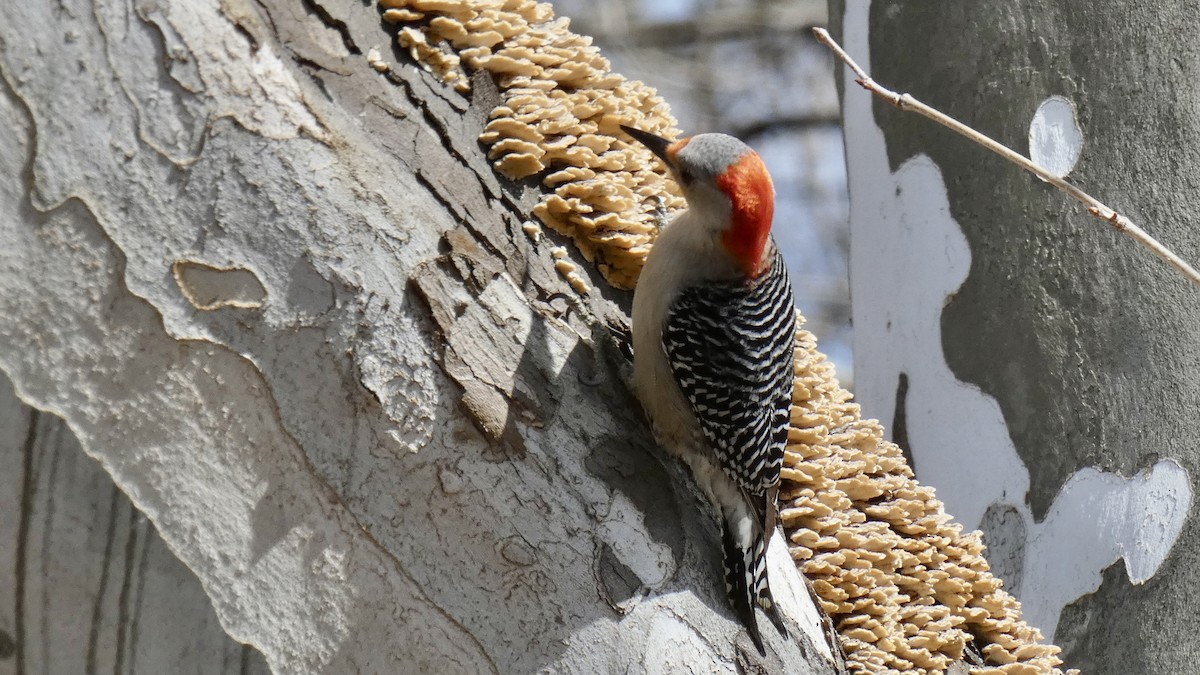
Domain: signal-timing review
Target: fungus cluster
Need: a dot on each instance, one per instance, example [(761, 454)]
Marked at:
[(907, 590), (558, 123)]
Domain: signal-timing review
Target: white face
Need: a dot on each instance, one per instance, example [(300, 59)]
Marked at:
[(703, 196)]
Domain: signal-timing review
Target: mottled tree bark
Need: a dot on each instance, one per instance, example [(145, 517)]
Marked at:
[(286, 303), (1045, 369), (91, 586)]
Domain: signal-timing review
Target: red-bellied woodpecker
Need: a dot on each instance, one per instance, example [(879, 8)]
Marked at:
[(714, 329)]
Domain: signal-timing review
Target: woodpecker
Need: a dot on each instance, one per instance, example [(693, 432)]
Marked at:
[(714, 329)]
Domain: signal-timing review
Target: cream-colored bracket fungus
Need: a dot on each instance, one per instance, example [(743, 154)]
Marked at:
[(559, 120)]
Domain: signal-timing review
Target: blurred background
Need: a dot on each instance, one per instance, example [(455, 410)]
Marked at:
[(751, 68)]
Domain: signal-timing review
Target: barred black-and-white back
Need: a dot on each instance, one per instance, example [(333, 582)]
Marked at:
[(730, 345)]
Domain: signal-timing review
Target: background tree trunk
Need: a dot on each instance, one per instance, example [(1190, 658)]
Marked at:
[(1041, 370), (286, 303)]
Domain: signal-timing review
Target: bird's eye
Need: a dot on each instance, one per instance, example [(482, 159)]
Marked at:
[(686, 177)]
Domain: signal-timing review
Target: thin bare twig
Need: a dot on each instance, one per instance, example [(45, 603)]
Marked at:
[(1094, 206)]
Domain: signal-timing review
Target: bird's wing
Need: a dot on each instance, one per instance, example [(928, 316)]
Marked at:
[(732, 354)]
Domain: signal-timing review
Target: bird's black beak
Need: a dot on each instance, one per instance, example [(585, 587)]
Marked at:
[(656, 144)]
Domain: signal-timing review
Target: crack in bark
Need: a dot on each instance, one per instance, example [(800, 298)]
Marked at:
[(314, 7), (123, 613), (98, 605), (28, 483)]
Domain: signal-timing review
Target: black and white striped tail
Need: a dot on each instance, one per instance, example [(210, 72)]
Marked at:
[(746, 582)]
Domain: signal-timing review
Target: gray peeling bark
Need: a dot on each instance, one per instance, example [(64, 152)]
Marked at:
[(286, 303), (88, 585), (1087, 341)]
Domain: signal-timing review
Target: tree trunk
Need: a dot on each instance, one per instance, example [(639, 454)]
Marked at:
[(288, 305), (1039, 368)]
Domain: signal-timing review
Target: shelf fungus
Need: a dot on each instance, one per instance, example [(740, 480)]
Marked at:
[(907, 589), (558, 122)]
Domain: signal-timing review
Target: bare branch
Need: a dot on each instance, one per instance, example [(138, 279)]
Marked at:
[(1094, 206)]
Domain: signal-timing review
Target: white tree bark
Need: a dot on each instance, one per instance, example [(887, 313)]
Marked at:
[(287, 305)]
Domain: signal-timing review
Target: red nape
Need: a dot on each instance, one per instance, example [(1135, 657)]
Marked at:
[(752, 194)]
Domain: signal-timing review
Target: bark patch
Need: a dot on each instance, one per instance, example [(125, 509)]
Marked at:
[(209, 288)]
